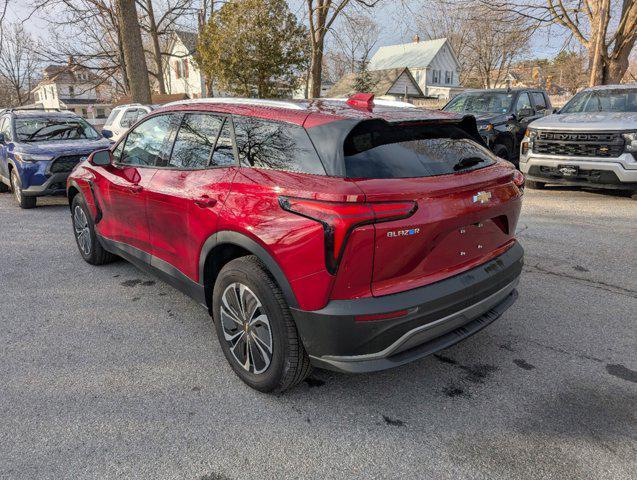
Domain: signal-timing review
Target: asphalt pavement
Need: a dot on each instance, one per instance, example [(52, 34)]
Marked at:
[(106, 372)]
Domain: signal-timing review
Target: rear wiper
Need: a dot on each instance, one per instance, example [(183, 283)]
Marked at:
[(467, 163)]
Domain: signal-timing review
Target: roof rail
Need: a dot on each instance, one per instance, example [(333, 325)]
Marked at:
[(37, 109), (239, 101)]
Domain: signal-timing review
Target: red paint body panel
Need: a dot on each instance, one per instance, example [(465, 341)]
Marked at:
[(170, 213)]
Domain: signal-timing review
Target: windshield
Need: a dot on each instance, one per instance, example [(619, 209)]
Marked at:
[(43, 129), (481, 102), (112, 116), (607, 100)]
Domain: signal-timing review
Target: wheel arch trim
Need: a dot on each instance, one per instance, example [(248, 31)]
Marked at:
[(252, 246)]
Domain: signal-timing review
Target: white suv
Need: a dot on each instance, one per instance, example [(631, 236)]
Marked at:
[(591, 141), (123, 117)]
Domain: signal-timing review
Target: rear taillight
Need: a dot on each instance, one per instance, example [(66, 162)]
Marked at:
[(518, 179), (340, 218)]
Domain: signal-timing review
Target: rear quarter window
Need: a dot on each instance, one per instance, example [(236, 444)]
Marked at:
[(379, 150), (276, 146)]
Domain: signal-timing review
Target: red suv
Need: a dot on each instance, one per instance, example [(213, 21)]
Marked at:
[(349, 235)]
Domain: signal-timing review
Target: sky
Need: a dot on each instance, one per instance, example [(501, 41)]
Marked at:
[(395, 26)]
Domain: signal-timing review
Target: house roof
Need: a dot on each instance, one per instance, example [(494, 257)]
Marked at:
[(382, 80), (189, 39), (410, 55)]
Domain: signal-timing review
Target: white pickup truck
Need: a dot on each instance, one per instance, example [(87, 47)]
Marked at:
[(591, 141)]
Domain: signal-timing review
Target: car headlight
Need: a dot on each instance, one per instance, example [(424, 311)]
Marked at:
[(32, 157), (631, 142), (485, 128)]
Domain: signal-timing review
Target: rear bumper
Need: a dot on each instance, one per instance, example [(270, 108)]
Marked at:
[(440, 315)]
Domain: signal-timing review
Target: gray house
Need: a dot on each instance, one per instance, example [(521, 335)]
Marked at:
[(432, 63)]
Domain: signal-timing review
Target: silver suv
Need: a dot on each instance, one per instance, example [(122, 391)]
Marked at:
[(591, 141)]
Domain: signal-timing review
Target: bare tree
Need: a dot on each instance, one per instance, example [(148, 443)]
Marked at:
[(355, 37), (131, 41), (158, 27), (18, 62), (606, 28), (321, 15)]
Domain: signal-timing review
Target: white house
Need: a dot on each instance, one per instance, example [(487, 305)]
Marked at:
[(432, 63), (71, 87), (182, 75)]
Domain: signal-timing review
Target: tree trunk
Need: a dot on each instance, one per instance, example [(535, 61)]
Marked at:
[(316, 71), (136, 69), (156, 48)]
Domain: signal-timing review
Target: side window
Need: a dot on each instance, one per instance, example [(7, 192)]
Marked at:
[(540, 102), (275, 145), (129, 117), (146, 144), (195, 140), (523, 102), (5, 127), (223, 155)]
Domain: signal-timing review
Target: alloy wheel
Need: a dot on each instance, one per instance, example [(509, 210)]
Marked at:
[(17, 191), (82, 231), (246, 328)]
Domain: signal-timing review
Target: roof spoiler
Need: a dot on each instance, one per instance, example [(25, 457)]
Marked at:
[(361, 100)]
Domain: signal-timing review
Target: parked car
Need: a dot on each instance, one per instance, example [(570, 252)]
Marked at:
[(502, 115), (122, 117), (351, 236), (38, 150), (590, 142)]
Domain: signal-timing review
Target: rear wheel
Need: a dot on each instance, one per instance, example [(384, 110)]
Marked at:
[(3, 187), (16, 186), (535, 185), (84, 229), (255, 327)]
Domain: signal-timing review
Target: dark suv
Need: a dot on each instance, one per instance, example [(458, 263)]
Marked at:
[(351, 236), (502, 115)]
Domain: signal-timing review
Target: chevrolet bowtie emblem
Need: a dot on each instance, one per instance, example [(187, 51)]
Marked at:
[(482, 197)]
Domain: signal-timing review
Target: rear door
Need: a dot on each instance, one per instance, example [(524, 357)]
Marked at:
[(186, 197), (123, 185), (467, 204)]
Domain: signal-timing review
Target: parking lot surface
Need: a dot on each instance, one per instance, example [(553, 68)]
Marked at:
[(106, 372)]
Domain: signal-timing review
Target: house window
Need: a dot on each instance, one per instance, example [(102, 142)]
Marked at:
[(71, 91), (448, 77), (101, 113), (435, 78), (84, 112), (178, 69)]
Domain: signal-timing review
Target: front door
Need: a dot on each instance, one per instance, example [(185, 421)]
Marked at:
[(5, 129), (185, 199), (124, 184)]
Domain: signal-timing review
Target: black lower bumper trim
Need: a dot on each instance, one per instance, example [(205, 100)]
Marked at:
[(54, 185), (584, 178), (363, 365), (333, 331)]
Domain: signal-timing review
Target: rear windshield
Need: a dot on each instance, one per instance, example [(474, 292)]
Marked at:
[(379, 150)]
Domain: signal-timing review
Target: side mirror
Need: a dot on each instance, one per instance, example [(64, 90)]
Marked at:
[(2, 139), (525, 112), (107, 133), (101, 158)]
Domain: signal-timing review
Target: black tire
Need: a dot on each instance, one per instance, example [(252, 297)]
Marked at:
[(633, 195), (3, 187), (502, 151), (535, 185), (16, 186), (85, 237), (288, 364)]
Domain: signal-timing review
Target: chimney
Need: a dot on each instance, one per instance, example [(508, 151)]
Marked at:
[(416, 38)]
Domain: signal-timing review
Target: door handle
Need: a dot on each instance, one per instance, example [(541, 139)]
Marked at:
[(205, 201), (135, 188)]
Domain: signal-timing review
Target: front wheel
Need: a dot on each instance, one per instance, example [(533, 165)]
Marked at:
[(255, 327), (84, 229), (502, 151), (3, 187), (16, 186)]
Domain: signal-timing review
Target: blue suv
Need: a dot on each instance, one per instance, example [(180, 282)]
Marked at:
[(38, 150)]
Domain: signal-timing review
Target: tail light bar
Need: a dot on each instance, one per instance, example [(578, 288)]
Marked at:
[(340, 218), (519, 180)]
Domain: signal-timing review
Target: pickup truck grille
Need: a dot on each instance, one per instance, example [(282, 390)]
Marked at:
[(574, 144), (66, 163)]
